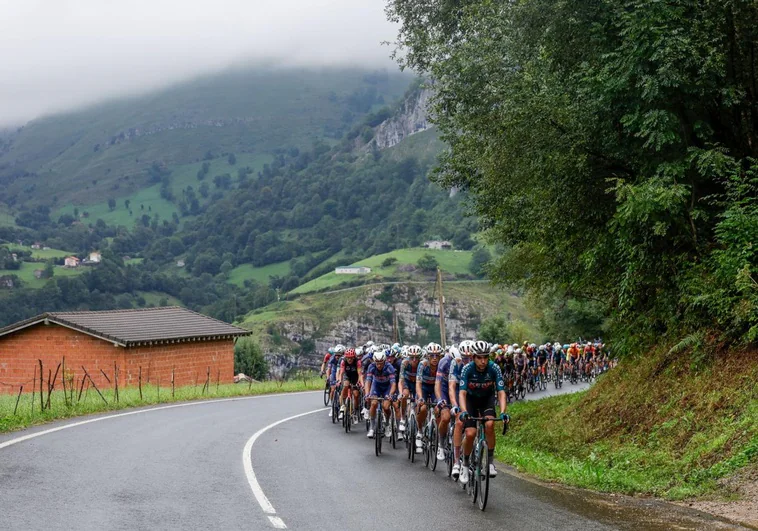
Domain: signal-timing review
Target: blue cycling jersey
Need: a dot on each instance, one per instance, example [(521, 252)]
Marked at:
[(366, 360), (381, 380), (408, 374), (484, 383), (426, 373), (443, 377)]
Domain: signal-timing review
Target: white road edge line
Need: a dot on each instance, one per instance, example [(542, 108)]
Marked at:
[(34, 435), (247, 463)]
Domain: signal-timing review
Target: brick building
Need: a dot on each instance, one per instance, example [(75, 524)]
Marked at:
[(158, 340)]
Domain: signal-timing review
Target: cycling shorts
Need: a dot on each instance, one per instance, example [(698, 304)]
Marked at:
[(352, 378), (427, 393), (477, 406), (333, 378), (380, 390), (411, 388)]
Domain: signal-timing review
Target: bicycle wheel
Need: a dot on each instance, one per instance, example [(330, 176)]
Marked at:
[(393, 426), (348, 414), (483, 476), (449, 456), (335, 410), (414, 430), (433, 446), (378, 433), (425, 443), (326, 393)]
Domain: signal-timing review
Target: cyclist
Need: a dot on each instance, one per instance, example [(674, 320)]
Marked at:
[(334, 363), (407, 380), (464, 349), (481, 383), (393, 358), (327, 356), (366, 359), (426, 377), (442, 394), (380, 383), (572, 354), (559, 358), (350, 377), (542, 357)]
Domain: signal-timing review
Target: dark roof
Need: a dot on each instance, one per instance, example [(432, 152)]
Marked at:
[(133, 327)]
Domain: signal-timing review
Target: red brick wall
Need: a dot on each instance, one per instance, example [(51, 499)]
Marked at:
[(19, 353)]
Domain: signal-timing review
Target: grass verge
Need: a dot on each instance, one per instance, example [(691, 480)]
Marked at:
[(653, 426), (29, 411)]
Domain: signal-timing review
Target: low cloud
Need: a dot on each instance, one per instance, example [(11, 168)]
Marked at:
[(67, 53)]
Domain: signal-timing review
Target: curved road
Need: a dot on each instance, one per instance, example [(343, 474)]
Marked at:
[(183, 467)]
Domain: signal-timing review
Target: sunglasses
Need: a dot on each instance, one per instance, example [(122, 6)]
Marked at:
[(434, 355)]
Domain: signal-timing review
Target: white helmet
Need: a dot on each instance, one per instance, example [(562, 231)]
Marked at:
[(414, 351), (433, 348), (359, 351), (510, 350), (339, 349), (369, 344), (455, 353), (379, 355)]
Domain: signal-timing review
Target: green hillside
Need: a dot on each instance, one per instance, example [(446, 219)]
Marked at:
[(469, 302), (107, 150), (451, 262)]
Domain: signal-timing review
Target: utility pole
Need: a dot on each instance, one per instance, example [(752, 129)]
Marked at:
[(442, 308), (394, 325)]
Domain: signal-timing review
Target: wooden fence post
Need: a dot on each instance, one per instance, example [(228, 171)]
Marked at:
[(34, 386), (140, 382), (173, 369), (115, 380), (17, 399), (65, 396), (51, 385), (218, 378), (41, 381)]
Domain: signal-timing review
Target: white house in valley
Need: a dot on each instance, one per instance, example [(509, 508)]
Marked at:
[(353, 270), (71, 261)]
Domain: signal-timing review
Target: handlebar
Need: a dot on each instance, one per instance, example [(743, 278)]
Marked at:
[(494, 419)]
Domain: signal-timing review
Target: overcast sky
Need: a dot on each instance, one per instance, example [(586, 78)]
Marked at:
[(60, 54)]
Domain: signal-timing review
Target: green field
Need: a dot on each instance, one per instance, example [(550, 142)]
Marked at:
[(451, 262), (154, 298), (134, 261), (26, 273), (239, 274), (41, 254)]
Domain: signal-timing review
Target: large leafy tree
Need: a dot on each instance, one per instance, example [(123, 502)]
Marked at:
[(609, 144)]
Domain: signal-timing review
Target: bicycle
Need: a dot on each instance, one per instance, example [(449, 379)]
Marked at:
[(348, 417), (429, 440), (410, 430), (327, 394), (558, 376), (448, 448), (478, 486), (379, 431), (336, 403)]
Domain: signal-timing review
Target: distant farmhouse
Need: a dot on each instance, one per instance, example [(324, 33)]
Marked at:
[(71, 261), (352, 270), (436, 244)]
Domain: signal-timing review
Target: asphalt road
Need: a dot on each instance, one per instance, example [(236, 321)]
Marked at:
[(183, 468)]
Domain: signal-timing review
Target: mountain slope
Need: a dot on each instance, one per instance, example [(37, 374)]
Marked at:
[(109, 149)]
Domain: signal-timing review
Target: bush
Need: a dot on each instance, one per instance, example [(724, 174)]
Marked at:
[(427, 263), (249, 359)]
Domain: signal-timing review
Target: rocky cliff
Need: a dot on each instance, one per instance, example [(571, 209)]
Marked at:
[(297, 333), (411, 118)]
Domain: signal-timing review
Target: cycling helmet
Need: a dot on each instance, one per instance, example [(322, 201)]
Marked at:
[(396, 348), (330, 350), (519, 351), (414, 351), (510, 350), (350, 353), (465, 347), (379, 355), (359, 351), (557, 346), (434, 348), (404, 351), (480, 347), (454, 352), (369, 344), (339, 349)]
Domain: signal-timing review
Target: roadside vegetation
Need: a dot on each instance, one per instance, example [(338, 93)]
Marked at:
[(29, 411), (656, 424)]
